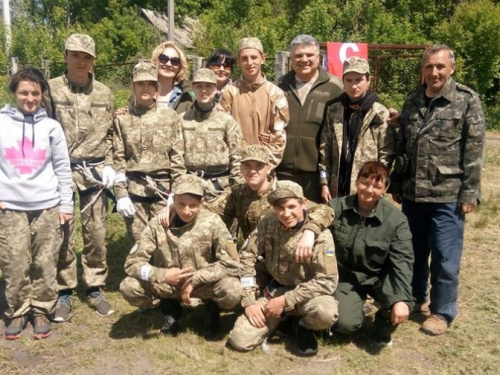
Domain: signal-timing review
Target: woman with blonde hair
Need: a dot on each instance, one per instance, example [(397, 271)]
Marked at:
[(174, 88)]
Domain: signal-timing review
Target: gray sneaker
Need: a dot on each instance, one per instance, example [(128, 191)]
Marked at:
[(41, 326), (64, 309), (99, 303), (15, 328)]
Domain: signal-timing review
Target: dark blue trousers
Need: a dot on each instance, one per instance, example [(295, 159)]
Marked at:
[(438, 232)]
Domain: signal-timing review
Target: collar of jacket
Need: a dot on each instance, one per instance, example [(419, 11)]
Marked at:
[(447, 93), (252, 86), (351, 203), (289, 79), (78, 89)]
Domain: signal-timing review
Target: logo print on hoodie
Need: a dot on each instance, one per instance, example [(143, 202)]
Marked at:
[(25, 159)]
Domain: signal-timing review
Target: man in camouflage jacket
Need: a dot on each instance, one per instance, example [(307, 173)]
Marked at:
[(84, 108), (437, 176)]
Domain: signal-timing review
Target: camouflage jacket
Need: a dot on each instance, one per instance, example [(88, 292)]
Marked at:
[(259, 108), (147, 142), (204, 244), (444, 145), (249, 207), (86, 115), (276, 246), (377, 141), (213, 143)]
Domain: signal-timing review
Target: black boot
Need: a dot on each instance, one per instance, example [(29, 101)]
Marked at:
[(172, 311), (211, 325), (306, 341)]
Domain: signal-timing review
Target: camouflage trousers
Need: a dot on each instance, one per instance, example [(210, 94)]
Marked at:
[(94, 262), (144, 212), (29, 246), (226, 293), (317, 314)]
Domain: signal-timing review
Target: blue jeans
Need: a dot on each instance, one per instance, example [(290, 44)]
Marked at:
[(438, 232)]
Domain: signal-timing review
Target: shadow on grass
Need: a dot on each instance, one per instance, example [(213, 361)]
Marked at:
[(147, 324), (362, 338)]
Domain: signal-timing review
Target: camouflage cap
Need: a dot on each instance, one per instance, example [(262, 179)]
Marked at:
[(80, 42), (144, 70), (285, 189), (204, 75), (357, 65), (253, 43), (188, 184), (255, 152)]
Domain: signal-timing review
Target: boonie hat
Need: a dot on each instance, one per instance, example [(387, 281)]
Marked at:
[(144, 70), (204, 75), (253, 43), (357, 65), (285, 189), (188, 184), (255, 152), (80, 42)]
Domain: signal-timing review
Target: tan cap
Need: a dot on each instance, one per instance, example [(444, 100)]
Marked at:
[(144, 70), (357, 65), (285, 189), (204, 75), (188, 184), (255, 152), (80, 42), (253, 43)]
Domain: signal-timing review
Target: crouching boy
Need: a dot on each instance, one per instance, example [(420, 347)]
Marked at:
[(194, 257), (304, 290)]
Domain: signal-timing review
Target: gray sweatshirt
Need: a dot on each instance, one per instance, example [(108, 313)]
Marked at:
[(35, 172)]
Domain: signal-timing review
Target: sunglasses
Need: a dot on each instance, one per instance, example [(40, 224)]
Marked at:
[(175, 61), (218, 65)]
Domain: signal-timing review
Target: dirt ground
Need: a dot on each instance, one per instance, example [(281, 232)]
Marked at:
[(128, 341)]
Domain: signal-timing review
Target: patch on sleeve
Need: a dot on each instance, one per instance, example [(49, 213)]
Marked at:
[(330, 253), (145, 269), (322, 174), (247, 282), (134, 248)]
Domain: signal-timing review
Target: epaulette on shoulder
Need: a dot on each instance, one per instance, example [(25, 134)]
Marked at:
[(461, 87)]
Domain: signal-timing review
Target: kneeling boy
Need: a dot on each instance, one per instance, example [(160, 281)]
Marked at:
[(194, 257), (301, 289)]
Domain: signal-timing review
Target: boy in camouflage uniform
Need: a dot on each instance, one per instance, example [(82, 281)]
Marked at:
[(212, 141), (148, 152), (84, 108), (355, 131), (195, 257), (248, 202), (304, 290), (259, 106)]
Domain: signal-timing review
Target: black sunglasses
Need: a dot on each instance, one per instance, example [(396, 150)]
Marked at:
[(175, 61), (217, 65)]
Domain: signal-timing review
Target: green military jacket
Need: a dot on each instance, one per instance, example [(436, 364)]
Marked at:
[(444, 144), (304, 127), (203, 244), (374, 251), (147, 142)]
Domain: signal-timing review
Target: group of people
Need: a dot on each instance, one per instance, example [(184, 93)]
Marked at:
[(301, 167)]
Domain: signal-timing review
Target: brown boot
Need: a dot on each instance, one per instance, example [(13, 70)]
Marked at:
[(434, 325)]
